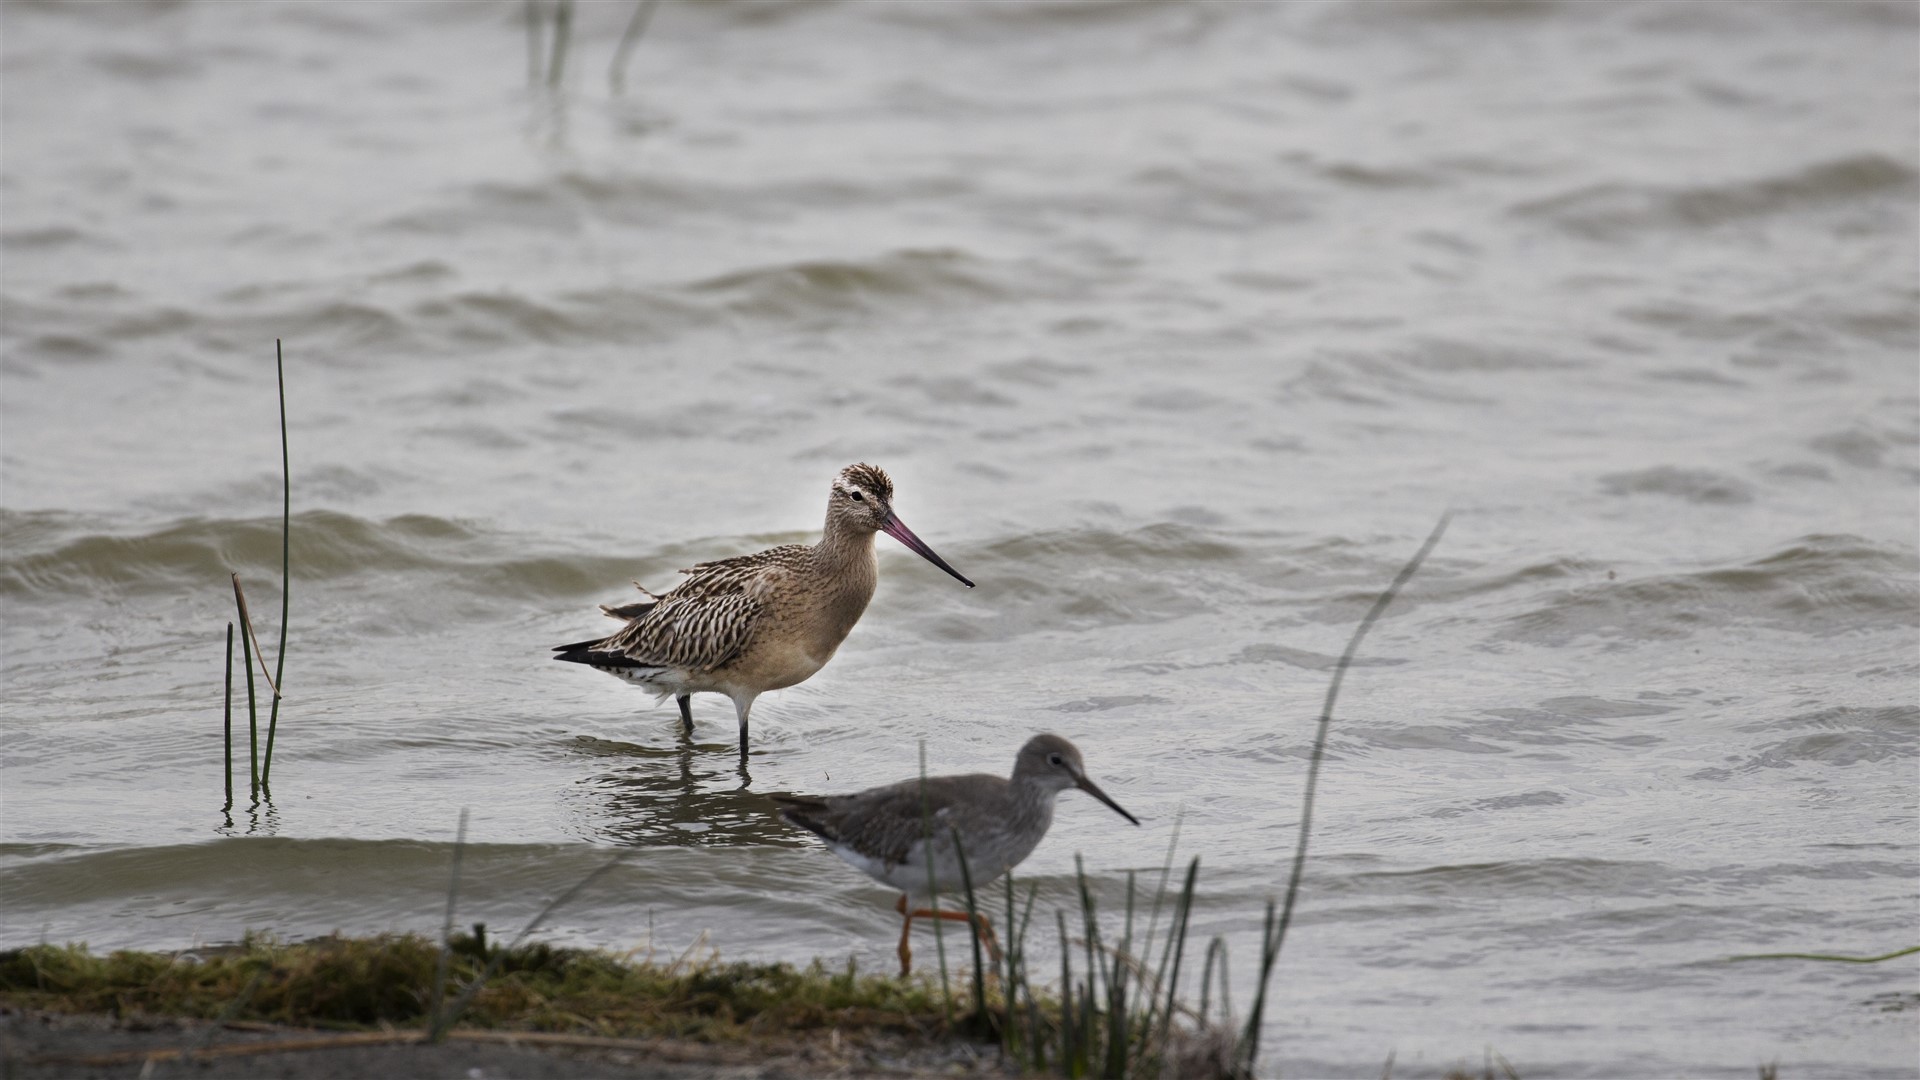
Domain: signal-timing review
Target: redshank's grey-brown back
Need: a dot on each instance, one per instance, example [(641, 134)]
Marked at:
[(903, 835), (759, 622)]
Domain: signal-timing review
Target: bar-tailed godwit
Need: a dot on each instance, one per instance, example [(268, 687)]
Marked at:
[(759, 622), (893, 833)]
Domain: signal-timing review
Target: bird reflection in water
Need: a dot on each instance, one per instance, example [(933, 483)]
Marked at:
[(680, 796)]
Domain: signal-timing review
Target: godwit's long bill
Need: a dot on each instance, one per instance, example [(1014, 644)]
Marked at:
[(759, 622), (894, 834)]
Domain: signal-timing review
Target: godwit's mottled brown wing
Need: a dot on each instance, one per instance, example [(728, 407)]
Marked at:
[(884, 823), (702, 623)]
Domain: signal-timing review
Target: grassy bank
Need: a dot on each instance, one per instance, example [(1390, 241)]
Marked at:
[(375, 982), (387, 984)]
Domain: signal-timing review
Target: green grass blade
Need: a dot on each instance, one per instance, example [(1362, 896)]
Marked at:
[(1067, 1027), (973, 926), (493, 965), (636, 25), (1270, 944), (253, 715), (933, 885), (1177, 938), (446, 929), (562, 34)]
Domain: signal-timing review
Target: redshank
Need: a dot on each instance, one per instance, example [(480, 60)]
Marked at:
[(893, 833)]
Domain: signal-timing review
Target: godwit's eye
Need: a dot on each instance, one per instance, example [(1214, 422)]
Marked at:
[(857, 497)]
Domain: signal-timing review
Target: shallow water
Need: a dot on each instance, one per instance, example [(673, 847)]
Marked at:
[(1177, 327)]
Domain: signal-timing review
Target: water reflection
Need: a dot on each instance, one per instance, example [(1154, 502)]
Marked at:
[(689, 795)]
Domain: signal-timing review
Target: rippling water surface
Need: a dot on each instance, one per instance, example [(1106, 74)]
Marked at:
[(1176, 324)]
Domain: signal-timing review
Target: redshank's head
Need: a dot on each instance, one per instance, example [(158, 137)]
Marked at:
[(862, 503), (1054, 763)]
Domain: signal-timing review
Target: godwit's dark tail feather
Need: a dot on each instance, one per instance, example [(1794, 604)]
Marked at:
[(584, 652), (629, 612)]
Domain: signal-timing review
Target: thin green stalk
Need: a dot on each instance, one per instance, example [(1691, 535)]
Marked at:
[(1118, 1021), (933, 886), (562, 32), (531, 10), (1160, 890), (1216, 949), (228, 722), (246, 628), (636, 25), (442, 1023), (1270, 945), (227, 1013), (1096, 957), (1009, 956), (1067, 1031), (253, 715), (446, 930), (286, 562), (1182, 919), (973, 925), (1024, 981), (1096, 960)]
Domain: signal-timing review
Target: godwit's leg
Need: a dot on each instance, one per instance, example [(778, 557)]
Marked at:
[(685, 702), (743, 706), (986, 928)]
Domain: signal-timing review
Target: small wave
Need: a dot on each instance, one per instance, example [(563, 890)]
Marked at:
[(1501, 802), (1845, 735), (1551, 878), (1692, 485), (1072, 579), (1606, 211), (148, 67), (797, 290), (1817, 585), (52, 554), (446, 565), (1462, 10), (50, 237)]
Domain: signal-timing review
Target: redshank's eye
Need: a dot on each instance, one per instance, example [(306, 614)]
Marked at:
[(1054, 759), (857, 497)]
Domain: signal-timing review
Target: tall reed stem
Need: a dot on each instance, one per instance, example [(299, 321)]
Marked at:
[(228, 722), (933, 887), (973, 924), (1275, 933), (442, 1023), (446, 929), (286, 521), (562, 33), (636, 25), (253, 718)]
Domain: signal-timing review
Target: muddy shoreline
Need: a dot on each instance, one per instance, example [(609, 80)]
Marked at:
[(40, 1044)]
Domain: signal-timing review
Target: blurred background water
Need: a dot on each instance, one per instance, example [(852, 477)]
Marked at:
[(1177, 326)]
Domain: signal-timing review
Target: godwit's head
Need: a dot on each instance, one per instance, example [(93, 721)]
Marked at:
[(862, 504), (1053, 764)]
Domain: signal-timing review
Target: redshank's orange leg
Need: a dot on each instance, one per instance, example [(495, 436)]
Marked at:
[(906, 929), (986, 928)]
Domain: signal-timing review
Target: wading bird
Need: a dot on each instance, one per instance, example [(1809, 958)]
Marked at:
[(903, 835), (759, 622)]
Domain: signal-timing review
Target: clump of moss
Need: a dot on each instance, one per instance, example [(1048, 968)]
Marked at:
[(358, 983)]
